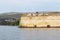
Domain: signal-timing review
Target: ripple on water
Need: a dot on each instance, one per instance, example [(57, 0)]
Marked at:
[(40, 33)]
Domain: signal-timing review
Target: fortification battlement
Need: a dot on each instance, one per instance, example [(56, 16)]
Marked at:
[(40, 20)]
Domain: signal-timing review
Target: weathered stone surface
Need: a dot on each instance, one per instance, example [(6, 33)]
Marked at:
[(40, 20)]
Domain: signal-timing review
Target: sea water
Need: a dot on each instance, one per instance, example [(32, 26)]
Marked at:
[(15, 33)]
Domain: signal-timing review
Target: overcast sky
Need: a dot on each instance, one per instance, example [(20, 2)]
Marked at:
[(29, 5)]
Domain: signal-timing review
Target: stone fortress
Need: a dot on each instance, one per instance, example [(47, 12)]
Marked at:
[(40, 19)]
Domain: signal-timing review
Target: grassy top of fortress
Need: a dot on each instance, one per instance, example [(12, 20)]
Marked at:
[(42, 14)]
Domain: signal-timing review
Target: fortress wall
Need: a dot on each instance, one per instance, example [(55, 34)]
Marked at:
[(40, 21)]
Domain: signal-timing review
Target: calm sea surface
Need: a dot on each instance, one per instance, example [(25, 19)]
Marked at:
[(15, 33)]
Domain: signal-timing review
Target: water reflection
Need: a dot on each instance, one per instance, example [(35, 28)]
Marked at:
[(9, 33), (15, 33), (40, 33)]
